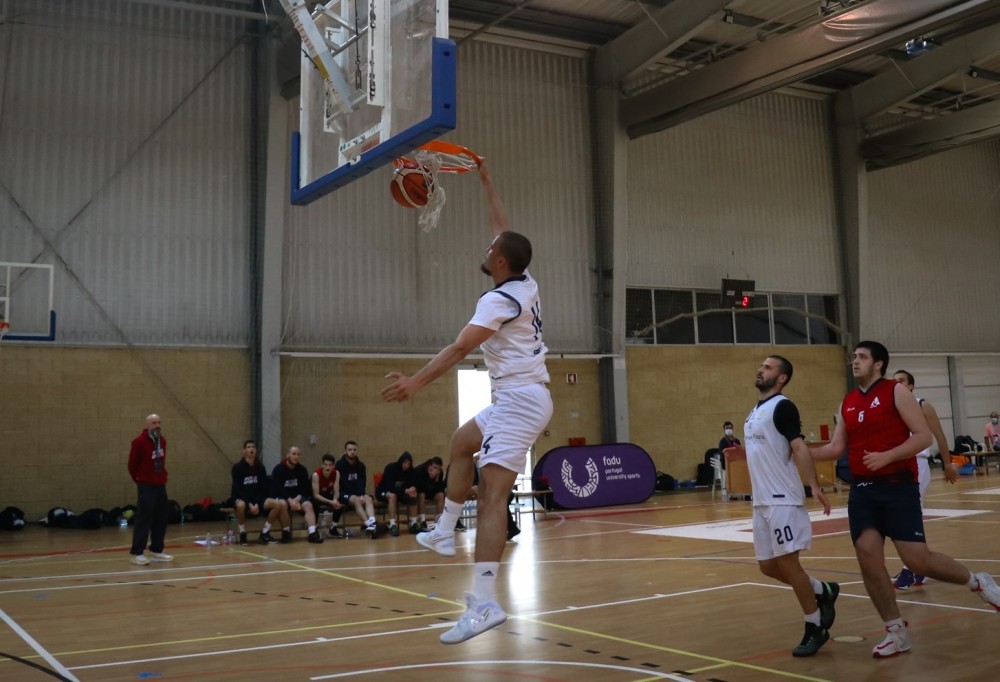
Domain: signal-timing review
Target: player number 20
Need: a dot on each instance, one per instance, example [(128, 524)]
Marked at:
[(783, 535)]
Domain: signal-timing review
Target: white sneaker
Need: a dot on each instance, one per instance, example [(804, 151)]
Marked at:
[(895, 643), (436, 541), (477, 619), (988, 590), (161, 558), (140, 559)]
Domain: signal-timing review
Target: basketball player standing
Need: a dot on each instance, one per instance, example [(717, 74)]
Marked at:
[(776, 454), (507, 324), (882, 427)]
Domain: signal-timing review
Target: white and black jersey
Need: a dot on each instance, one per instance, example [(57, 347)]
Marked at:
[(515, 354), (769, 429)]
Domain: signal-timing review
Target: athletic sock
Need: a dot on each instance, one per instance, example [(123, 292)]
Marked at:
[(813, 617), (392, 522), (973, 583), (449, 517), (312, 529), (371, 521), (266, 528), (895, 625), (243, 529), (817, 586), (484, 580)]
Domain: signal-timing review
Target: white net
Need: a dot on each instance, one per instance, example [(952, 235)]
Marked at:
[(432, 164)]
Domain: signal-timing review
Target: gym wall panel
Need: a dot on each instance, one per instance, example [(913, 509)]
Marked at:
[(131, 165), (70, 414), (744, 192), (932, 383), (981, 376), (933, 234), (677, 408), (360, 275)]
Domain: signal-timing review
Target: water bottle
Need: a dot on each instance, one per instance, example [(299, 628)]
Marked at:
[(122, 521), (229, 537), (208, 539)]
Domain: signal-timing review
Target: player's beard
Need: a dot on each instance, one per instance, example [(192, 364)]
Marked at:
[(763, 384), (485, 270), (155, 433)]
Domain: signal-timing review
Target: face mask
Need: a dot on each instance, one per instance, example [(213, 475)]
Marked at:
[(729, 432), (994, 420)]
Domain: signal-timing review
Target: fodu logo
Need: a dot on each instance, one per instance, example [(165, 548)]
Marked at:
[(576, 490)]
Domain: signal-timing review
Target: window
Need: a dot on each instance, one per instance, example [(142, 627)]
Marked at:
[(716, 327), (763, 323), (790, 327), (638, 315), (668, 304), (753, 325)]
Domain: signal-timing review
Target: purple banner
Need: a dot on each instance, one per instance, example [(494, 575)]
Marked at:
[(596, 475)]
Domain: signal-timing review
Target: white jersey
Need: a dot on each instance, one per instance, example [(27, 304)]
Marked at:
[(515, 354), (773, 474), (926, 452)]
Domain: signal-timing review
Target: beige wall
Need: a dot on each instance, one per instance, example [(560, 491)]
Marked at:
[(337, 399), (679, 396), (67, 416)]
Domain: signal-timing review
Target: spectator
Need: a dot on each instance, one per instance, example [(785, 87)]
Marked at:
[(397, 486), (353, 478), (728, 440), (326, 492), (991, 433), (250, 496), (429, 480), (147, 465), (291, 485)]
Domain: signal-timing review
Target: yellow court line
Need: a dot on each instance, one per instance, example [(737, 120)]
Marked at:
[(680, 652), (359, 581)]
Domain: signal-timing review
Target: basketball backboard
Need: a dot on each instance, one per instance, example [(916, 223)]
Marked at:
[(26, 301), (378, 80)]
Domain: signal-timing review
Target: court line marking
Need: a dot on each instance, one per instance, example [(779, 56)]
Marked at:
[(651, 674), (911, 602), (30, 641), (678, 652), (307, 628), (265, 647)]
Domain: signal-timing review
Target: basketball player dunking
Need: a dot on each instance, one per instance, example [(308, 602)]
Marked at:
[(507, 324)]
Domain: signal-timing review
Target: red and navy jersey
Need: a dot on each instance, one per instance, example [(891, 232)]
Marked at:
[(326, 484), (874, 425)]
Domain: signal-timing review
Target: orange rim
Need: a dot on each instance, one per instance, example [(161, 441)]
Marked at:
[(449, 149)]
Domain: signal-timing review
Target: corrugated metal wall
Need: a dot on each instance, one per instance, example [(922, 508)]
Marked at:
[(360, 275), (123, 137), (934, 234), (932, 382), (747, 191)]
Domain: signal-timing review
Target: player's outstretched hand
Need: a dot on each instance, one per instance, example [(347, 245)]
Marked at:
[(400, 389), (822, 499)]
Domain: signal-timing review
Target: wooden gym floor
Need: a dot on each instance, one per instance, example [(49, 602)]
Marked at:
[(665, 590)]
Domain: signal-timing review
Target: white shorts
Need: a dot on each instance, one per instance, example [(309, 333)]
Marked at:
[(923, 476), (512, 424), (780, 529)]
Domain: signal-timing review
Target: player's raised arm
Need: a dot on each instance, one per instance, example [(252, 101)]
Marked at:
[(494, 207)]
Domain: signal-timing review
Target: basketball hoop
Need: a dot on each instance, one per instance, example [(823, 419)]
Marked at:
[(433, 158)]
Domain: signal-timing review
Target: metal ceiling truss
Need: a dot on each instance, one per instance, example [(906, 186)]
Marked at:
[(794, 56)]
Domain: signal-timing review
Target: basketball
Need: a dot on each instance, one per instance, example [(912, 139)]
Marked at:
[(409, 186)]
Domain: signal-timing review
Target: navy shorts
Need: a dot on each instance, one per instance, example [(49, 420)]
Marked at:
[(890, 507)]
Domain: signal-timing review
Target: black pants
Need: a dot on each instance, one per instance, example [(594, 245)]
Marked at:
[(150, 518)]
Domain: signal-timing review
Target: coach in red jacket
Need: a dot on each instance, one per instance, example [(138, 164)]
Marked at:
[(147, 464)]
